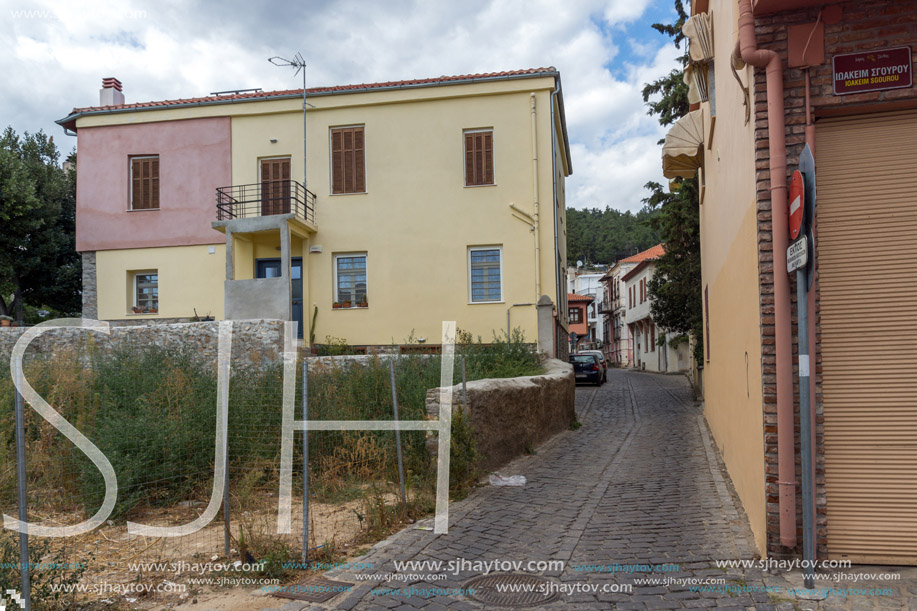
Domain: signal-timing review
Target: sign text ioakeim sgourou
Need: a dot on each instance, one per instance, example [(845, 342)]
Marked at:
[(443, 426)]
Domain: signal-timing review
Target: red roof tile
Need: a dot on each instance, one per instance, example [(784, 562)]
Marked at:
[(647, 255), (575, 297), (252, 96)]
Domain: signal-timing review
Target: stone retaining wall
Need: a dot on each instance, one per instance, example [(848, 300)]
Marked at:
[(254, 342), (511, 414)]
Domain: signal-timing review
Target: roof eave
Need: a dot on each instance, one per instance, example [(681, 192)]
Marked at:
[(563, 122), (69, 122)]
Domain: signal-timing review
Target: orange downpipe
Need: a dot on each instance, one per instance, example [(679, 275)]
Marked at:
[(783, 334)]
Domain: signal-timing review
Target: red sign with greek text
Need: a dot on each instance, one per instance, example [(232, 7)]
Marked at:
[(873, 70)]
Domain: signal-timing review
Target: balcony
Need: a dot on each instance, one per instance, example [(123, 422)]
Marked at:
[(267, 198)]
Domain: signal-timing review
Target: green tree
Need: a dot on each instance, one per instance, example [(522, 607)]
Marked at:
[(39, 266), (601, 237), (675, 288)]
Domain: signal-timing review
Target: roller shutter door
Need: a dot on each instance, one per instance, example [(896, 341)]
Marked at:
[(867, 257)]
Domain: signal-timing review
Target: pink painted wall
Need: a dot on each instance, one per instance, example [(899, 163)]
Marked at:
[(195, 157)]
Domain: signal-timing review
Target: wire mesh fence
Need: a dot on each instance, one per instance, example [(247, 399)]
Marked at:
[(153, 413)]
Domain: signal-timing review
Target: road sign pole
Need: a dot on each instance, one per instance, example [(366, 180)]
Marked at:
[(25, 578), (805, 431)]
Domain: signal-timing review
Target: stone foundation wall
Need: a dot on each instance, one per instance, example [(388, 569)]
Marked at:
[(511, 414), (90, 299), (254, 342)]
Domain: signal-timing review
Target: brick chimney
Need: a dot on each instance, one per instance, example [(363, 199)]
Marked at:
[(110, 94)]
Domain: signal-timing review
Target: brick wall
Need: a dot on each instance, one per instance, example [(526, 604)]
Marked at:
[(864, 26)]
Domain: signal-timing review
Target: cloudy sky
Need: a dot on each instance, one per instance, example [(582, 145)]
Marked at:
[(56, 53)]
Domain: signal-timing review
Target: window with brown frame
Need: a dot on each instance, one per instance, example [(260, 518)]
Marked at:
[(576, 315), (653, 338), (479, 158), (145, 182), (348, 160)]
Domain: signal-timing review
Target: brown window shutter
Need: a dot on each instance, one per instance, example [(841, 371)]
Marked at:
[(359, 170), (348, 161), (488, 146), (145, 183), (479, 158), (136, 183), (154, 183), (337, 161), (469, 159), (145, 191)]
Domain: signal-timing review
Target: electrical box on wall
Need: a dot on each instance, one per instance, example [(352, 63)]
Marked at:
[(806, 44)]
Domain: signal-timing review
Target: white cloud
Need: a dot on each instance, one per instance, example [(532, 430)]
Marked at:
[(59, 51)]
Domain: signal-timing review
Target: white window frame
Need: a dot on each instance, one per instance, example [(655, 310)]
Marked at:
[(334, 288), (472, 249), (134, 278), (130, 183), (479, 130)]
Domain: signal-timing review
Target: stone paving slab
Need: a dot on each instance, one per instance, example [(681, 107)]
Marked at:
[(636, 504)]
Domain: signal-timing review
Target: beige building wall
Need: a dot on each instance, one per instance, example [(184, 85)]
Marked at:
[(180, 292), (415, 222), (729, 255)]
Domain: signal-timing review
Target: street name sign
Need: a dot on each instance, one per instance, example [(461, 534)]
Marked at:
[(872, 70), (797, 255)]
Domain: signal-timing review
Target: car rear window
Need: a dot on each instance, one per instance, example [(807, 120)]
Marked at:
[(582, 358)]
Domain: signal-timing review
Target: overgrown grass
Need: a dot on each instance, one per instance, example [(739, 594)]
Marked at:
[(152, 413), (58, 569)]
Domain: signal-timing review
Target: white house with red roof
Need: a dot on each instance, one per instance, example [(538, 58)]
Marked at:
[(648, 345), (619, 343)]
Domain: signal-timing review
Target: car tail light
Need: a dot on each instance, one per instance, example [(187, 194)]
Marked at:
[(595, 368)]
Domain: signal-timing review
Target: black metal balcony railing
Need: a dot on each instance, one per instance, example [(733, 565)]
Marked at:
[(265, 199)]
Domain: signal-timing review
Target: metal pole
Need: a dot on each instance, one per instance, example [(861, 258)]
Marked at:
[(226, 521), (391, 368), (805, 431), (305, 182), (305, 462), (23, 506), (464, 388)]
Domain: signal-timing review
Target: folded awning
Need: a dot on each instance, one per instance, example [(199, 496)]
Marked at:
[(699, 30), (696, 80), (682, 152)]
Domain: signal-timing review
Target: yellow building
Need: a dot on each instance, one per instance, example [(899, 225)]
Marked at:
[(419, 201), (775, 84)]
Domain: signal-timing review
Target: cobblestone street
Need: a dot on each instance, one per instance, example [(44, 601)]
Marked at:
[(639, 485)]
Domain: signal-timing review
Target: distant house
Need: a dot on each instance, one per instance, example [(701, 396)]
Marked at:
[(448, 190), (578, 306), (588, 282), (650, 345), (619, 341)]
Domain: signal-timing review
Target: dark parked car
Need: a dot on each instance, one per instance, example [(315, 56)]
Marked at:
[(587, 368)]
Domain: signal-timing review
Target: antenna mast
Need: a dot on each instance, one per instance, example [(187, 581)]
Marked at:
[(300, 64)]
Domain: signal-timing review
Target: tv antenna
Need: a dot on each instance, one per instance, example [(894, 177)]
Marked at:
[(300, 64)]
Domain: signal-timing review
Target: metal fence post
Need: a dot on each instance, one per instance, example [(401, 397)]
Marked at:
[(305, 462), (464, 387), (23, 507), (391, 368), (226, 522)]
